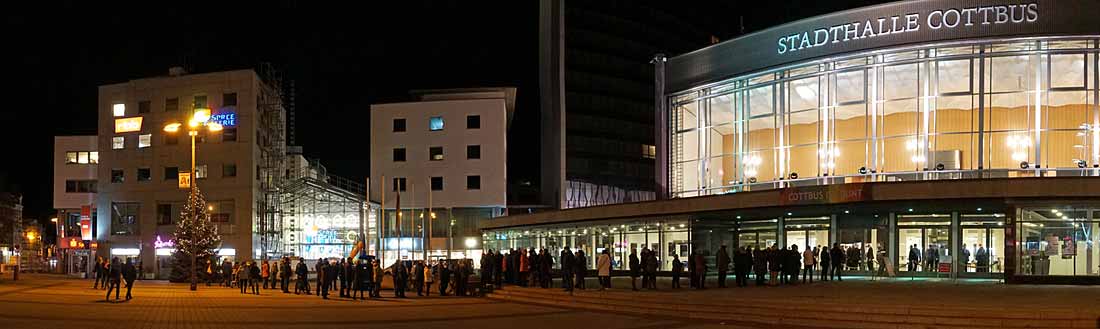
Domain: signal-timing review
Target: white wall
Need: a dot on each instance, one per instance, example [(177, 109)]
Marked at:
[(63, 171), (417, 138)]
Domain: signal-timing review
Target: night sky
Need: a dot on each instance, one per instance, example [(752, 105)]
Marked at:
[(342, 59)]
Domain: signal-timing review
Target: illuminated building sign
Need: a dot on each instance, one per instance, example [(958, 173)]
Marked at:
[(184, 180), (85, 222), (164, 244), (226, 119), (125, 125)]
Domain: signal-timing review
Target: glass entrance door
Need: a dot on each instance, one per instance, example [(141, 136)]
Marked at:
[(924, 243)]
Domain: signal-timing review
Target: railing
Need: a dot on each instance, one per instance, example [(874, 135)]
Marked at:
[(930, 175)]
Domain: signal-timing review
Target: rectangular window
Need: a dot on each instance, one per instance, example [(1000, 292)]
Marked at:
[(435, 153), (143, 106), (221, 211), (80, 186), (82, 157), (229, 99), (118, 109), (399, 155), (398, 125), (649, 151), (399, 183), (118, 142), (93, 157), (199, 102), (229, 170), (473, 151), (473, 122), (229, 134), (144, 175), (164, 214), (124, 218), (117, 176), (70, 186), (145, 140), (437, 183), (172, 173), (435, 124), (70, 157), (171, 104), (171, 139), (473, 182), (200, 171)]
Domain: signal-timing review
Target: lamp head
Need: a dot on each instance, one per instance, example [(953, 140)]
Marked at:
[(201, 115), (172, 127)]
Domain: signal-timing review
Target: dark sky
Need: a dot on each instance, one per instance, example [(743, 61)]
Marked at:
[(342, 59)]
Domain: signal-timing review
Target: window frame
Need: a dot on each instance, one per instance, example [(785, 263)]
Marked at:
[(432, 183), (403, 127), (432, 120), (476, 122), (476, 179), (433, 156), (476, 155), (399, 150)]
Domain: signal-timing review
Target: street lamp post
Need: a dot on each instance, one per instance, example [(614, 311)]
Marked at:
[(199, 119)]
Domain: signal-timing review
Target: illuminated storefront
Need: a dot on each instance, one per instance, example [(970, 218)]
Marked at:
[(933, 138)]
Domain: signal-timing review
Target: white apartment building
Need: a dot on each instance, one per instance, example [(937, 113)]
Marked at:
[(139, 199), (75, 165), (449, 146)]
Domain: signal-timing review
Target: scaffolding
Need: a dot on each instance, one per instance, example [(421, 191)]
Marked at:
[(271, 141)]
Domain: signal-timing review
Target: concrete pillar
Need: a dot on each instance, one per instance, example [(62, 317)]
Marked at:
[(892, 222), (956, 241), (781, 233), (833, 229)]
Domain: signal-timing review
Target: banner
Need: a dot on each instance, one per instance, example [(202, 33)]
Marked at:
[(841, 193), (86, 222)]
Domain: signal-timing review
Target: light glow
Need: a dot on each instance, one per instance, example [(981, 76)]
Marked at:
[(201, 115), (214, 126), (125, 125), (119, 109), (172, 127), (471, 243)]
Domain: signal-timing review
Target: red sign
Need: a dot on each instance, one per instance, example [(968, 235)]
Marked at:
[(86, 222), (841, 193), (945, 268), (69, 242)]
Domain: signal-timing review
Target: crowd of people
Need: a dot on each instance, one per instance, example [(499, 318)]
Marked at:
[(110, 276)]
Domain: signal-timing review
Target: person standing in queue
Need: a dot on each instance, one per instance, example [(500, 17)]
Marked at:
[(826, 263), (265, 273), (302, 273), (524, 267), (376, 279), (635, 269), (701, 270), (429, 278), (568, 264), (255, 283), (808, 263), (677, 269), (129, 274), (114, 278), (547, 264), (837, 258), (723, 266), (581, 269), (794, 260), (603, 269), (444, 277), (759, 264), (486, 271), (418, 278), (400, 275), (742, 264), (328, 278), (318, 268)]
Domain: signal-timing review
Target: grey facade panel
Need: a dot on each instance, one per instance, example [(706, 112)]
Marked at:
[(890, 27)]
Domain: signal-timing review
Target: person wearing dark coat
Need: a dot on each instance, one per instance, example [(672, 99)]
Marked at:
[(826, 264), (568, 264), (635, 269), (342, 277), (794, 264), (742, 261), (302, 273), (284, 275), (444, 277), (486, 271), (98, 273), (254, 281), (400, 275), (581, 269), (418, 278), (129, 274), (319, 269), (760, 264), (694, 277), (227, 273), (359, 279), (774, 264), (650, 264), (677, 269), (547, 262), (837, 258), (325, 275), (114, 278), (723, 266), (701, 270)]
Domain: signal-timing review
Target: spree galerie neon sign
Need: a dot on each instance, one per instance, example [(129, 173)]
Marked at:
[(898, 24), (164, 244)]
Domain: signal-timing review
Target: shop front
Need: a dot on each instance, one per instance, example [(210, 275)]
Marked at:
[(1055, 243)]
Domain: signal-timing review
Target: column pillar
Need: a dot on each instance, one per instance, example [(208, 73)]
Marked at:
[(833, 231), (955, 237), (892, 222), (781, 233)]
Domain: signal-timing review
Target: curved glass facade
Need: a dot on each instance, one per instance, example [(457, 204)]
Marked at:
[(1001, 108)]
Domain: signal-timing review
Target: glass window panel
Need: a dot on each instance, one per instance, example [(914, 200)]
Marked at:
[(689, 145), (1071, 44), (851, 62), (953, 76), (945, 145), (901, 154), (803, 94), (1067, 71), (721, 140), (82, 157), (1009, 73), (687, 117), (849, 86), (721, 110), (1063, 149), (761, 133), (900, 117), (689, 175), (805, 161), (955, 51), (850, 121), (720, 171), (848, 157), (1005, 150), (1066, 110), (804, 70), (1008, 112), (803, 128), (93, 157), (900, 81), (760, 165), (761, 101), (1013, 46), (954, 114), (901, 56)]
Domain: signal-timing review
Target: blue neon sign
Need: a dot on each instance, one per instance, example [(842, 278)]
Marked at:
[(227, 119)]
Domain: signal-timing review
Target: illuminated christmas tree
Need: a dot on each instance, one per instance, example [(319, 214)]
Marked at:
[(196, 236)]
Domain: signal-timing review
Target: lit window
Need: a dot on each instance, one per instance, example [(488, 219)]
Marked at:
[(93, 157), (119, 109), (649, 151), (118, 142), (435, 123), (435, 153), (70, 157), (145, 140), (82, 158), (200, 171)]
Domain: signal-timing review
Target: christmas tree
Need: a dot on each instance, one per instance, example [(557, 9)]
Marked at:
[(196, 236)]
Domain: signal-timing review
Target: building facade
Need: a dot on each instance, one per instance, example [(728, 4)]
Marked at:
[(75, 181), (139, 198), (937, 138), (445, 154)]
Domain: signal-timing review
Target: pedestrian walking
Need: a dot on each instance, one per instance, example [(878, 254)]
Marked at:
[(677, 269), (129, 274), (723, 266), (635, 269), (603, 269), (114, 278), (581, 269)]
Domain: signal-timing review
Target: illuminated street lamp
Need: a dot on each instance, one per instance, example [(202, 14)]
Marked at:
[(199, 120)]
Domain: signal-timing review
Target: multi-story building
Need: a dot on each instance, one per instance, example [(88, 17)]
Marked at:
[(446, 151), (75, 180), (139, 199), (11, 226)]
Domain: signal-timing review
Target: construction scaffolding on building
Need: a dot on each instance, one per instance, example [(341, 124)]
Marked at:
[(271, 141)]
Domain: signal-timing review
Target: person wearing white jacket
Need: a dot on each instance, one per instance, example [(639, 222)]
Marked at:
[(808, 262), (603, 266)]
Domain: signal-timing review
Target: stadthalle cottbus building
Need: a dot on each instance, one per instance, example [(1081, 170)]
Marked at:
[(955, 139)]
